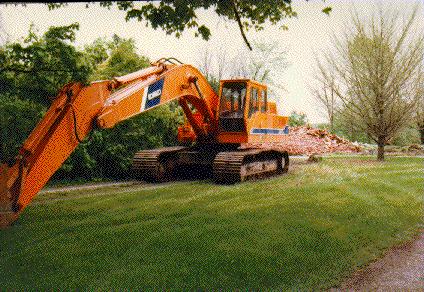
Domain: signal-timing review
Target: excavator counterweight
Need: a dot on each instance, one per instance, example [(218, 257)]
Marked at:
[(215, 125)]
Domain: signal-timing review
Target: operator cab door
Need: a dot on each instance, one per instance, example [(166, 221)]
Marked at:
[(259, 124), (232, 105), (258, 101)]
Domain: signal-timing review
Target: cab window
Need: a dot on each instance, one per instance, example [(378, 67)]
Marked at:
[(264, 102), (254, 101), (233, 96)]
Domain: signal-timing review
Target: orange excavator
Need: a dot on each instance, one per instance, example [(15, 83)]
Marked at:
[(215, 127)]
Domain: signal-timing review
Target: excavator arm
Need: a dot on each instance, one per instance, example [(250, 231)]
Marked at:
[(78, 109)]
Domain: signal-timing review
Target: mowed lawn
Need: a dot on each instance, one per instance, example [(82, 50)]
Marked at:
[(308, 229)]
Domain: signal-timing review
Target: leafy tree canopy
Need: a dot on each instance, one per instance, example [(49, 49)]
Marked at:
[(37, 67), (114, 58), (17, 118), (174, 17)]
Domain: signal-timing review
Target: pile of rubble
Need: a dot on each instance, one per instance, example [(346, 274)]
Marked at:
[(306, 141)]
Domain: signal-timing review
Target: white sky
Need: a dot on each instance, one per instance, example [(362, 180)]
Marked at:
[(308, 35)]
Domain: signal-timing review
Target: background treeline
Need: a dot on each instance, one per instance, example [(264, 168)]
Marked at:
[(34, 69)]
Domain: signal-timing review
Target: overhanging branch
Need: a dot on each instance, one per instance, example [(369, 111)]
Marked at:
[(237, 15)]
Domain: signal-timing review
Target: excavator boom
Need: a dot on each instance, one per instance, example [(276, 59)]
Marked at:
[(102, 104)]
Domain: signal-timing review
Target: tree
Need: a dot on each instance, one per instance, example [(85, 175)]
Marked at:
[(205, 61), (114, 58), (343, 127), (297, 119), (174, 17), (17, 118), (31, 71), (262, 64), (206, 65), (419, 114), (326, 97), (375, 72), (37, 67)]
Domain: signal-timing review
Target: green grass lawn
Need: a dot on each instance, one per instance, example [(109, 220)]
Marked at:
[(307, 229)]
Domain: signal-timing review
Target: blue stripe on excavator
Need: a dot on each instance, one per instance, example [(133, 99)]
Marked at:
[(284, 131)]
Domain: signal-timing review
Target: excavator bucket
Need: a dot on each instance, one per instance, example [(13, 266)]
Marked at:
[(7, 215)]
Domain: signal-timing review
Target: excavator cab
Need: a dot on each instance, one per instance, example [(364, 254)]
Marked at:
[(246, 115), (232, 106)]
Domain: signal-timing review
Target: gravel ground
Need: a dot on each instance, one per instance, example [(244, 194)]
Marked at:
[(89, 186), (402, 268)]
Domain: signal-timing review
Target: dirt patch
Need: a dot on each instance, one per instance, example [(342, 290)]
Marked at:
[(62, 193), (88, 186), (400, 269)]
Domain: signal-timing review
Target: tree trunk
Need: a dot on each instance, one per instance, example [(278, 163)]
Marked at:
[(380, 148), (380, 152), (422, 135)]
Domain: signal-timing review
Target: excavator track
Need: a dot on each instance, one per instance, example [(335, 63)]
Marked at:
[(155, 165), (228, 167), (236, 166)]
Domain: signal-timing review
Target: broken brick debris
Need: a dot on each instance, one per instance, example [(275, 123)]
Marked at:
[(306, 141)]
